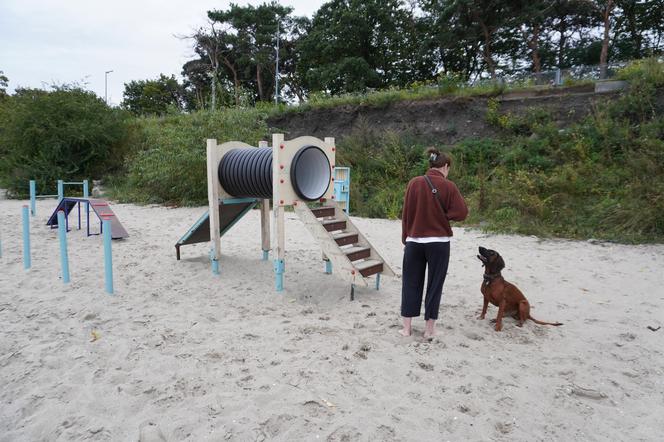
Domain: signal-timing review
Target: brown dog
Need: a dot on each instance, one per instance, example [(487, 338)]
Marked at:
[(507, 297)]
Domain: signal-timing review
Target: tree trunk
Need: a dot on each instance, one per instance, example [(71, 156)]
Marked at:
[(604, 55), (533, 44), (236, 82), (259, 81), (486, 52), (561, 46), (213, 102)]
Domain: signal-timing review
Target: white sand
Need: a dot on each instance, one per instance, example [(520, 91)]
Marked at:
[(184, 355)]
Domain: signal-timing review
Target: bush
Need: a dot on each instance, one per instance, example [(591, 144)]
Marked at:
[(66, 133), (169, 160)]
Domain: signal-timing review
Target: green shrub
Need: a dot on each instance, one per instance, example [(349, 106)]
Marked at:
[(169, 160), (66, 133)]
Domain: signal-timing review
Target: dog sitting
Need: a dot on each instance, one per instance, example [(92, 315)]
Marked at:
[(507, 297)]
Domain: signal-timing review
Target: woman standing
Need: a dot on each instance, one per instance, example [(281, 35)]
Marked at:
[(430, 203)]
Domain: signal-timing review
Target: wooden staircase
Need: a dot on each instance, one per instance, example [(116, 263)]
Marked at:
[(352, 256)]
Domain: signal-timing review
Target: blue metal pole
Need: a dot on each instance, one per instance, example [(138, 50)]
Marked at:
[(266, 255), (27, 262), (64, 257), (108, 258), (279, 268), (61, 189), (86, 193), (33, 197), (377, 281), (328, 267), (215, 261)]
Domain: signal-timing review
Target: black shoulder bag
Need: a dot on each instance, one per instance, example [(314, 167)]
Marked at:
[(435, 194)]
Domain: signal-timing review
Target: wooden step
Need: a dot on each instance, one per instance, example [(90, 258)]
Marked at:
[(357, 252), (334, 224), (345, 238), (322, 212), (369, 267)]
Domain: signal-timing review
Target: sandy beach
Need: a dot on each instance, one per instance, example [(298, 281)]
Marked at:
[(181, 354)]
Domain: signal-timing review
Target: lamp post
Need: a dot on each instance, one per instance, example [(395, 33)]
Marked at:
[(106, 86), (276, 70)]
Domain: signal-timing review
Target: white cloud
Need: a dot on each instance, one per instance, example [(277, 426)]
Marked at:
[(67, 41)]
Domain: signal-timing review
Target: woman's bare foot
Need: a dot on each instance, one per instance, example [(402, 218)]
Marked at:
[(407, 329), (430, 329)]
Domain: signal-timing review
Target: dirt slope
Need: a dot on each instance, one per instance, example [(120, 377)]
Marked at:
[(445, 120)]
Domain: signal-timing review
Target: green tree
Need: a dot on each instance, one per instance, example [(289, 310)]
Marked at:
[(353, 45), (4, 82), (249, 43), (152, 97), (472, 29), (639, 29), (65, 133)]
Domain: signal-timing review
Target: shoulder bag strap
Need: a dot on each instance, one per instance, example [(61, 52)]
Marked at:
[(435, 193)]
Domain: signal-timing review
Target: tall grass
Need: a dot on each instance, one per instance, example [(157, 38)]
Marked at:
[(168, 160)]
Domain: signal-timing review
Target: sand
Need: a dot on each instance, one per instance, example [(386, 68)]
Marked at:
[(180, 354)]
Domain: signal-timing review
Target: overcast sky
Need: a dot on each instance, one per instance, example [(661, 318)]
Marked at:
[(65, 41)]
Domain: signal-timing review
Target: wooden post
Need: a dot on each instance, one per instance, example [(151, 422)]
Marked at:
[(213, 200), (278, 214), (265, 219)]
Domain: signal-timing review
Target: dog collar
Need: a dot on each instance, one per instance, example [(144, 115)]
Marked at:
[(489, 277)]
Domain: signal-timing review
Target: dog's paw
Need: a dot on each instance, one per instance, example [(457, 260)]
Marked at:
[(481, 317)]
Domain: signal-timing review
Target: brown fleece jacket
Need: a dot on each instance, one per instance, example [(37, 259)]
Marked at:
[(422, 215)]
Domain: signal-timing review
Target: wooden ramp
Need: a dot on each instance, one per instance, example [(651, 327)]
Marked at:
[(352, 256), (230, 212), (99, 207)]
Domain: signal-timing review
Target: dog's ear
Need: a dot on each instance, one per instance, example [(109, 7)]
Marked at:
[(500, 264)]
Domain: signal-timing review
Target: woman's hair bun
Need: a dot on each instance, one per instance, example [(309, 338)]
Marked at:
[(436, 158)]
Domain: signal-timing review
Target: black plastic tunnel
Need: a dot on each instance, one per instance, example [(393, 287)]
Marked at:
[(247, 173)]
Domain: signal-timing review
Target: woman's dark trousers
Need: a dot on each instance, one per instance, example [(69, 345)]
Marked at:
[(416, 258)]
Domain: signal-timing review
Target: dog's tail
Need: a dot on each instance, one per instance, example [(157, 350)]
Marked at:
[(544, 323)]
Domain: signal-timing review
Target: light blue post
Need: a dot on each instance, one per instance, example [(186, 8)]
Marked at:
[(86, 193), (27, 262), (108, 258), (33, 197), (328, 267), (377, 281), (214, 261), (279, 268), (64, 257), (61, 189), (266, 255)]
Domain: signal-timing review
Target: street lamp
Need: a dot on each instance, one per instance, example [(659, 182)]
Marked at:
[(106, 86), (276, 69)]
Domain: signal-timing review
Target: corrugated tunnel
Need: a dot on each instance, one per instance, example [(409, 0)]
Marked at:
[(247, 173)]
